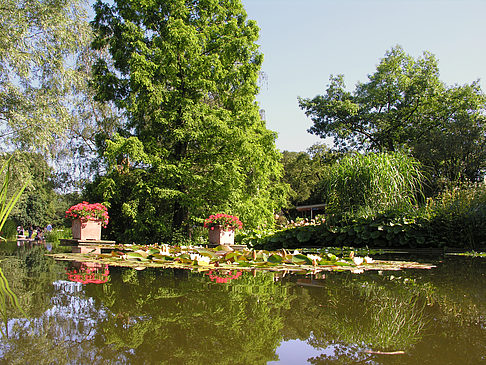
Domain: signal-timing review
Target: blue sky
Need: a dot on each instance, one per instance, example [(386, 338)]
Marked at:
[(306, 41)]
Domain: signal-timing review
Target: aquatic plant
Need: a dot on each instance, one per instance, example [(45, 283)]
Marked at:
[(6, 203), (225, 258), (371, 183)]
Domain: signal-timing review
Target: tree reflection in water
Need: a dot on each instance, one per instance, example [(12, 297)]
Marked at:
[(177, 316)]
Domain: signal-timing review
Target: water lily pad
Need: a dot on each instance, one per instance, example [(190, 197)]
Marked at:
[(134, 255), (197, 258), (275, 259), (300, 259)]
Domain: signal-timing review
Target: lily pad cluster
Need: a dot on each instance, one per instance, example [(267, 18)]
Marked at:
[(225, 257)]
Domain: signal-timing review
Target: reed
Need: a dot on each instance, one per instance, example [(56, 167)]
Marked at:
[(373, 183), (7, 203)]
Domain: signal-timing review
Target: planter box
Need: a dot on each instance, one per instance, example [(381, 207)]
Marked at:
[(222, 236), (90, 230)]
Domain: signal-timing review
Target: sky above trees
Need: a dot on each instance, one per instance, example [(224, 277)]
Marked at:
[(306, 41)]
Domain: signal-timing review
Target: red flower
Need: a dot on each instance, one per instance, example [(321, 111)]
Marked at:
[(87, 212), (224, 220)]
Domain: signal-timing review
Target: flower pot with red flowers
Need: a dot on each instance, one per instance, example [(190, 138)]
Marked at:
[(222, 228), (87, 220)]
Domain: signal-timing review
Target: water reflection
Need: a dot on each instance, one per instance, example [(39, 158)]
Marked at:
[(182, 317), (88, 273)]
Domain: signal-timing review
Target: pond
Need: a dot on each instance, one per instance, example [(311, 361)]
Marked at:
[(90, 313)]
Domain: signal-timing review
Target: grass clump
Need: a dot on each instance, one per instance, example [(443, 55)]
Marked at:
[(373, 183)]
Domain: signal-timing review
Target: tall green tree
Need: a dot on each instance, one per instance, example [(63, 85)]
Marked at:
[(185, 73), (404, 105)]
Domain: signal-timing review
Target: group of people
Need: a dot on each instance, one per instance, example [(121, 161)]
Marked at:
[(40, 232)]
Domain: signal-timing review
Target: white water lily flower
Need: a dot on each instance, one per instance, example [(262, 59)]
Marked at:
[(314, 257), (368, 260), (199, 258), (195, 256), (358, 260), (203, 259), (296, 252)]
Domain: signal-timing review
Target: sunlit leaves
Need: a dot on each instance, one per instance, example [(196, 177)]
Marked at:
[(40, 41), (373, 182), (186, 75)]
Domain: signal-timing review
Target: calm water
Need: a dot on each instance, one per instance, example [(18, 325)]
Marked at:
[(76, 314)]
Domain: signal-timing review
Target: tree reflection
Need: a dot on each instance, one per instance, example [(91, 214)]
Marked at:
[(433, 321), (182, 317)]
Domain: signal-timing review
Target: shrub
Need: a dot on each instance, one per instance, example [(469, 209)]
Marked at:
[(56, 235), (9, 230)]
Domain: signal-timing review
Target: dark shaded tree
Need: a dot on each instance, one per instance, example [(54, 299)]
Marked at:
[(304, 170)]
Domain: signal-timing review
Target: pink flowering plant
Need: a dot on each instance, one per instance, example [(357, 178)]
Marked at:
[(89, 212), (223, 220)]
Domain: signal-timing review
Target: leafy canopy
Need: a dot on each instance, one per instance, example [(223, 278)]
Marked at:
[(185, 74), (404, 105)]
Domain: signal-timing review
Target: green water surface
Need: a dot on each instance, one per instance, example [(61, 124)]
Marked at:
[(101, 315)]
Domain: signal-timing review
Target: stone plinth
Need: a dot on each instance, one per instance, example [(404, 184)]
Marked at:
[(85, 246)]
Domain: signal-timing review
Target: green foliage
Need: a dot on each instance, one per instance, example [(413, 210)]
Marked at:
[(460, 213), (371, 183), (194, 142), (57, 234), (304, 170), (7, 200), (46, 105), (38, 42), (39, 205), (455, 219), (9, 230), (6, 205), (404, 105)]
